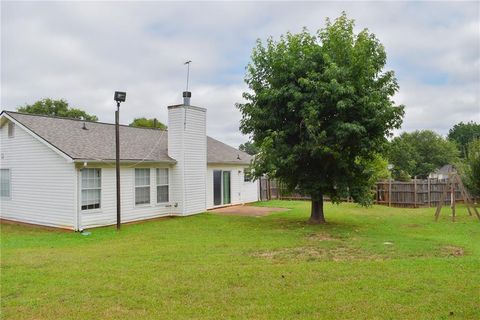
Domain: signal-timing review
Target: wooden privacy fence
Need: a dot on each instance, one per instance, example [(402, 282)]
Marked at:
[(413, 194)]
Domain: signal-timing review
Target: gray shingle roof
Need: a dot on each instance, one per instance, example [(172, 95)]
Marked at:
[(446, 169), (97, 141)]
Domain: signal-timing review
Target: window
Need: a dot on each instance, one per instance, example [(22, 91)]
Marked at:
[(11, 129), (247, 175), (91, 188), (5, 184), (142, 186), (162, 185)]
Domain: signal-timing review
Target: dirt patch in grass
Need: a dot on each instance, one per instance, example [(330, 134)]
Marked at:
[(452, 251), (413, 225), (306, 253), (320, 237), (246, 211)]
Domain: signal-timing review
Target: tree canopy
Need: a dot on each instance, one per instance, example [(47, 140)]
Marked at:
[(249, 147), (59, 108), (147, 123), (320, 108), (420, 152), (469, 168), (463, 134)]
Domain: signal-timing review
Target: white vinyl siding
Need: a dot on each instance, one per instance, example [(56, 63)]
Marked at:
[(187, 144), (241, 191), (5, 184), (91, 180), (130, 211), (142, 186), (42, 183), (162, 185)]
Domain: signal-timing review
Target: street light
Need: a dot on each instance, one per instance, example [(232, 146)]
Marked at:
[(118, 97)]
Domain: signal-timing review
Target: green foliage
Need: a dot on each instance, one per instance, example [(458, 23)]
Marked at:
[(470, 168), (463, 134), (320, 108), (249, 147), (58, 108), (378, 168), (147, 123), (419, 153)]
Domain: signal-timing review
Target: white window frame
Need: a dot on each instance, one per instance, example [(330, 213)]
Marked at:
[(9, 197), (82, 188), (11, 129), (247, 175), (162, 184), (142, 186)]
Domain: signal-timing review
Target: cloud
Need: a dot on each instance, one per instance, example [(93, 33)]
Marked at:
[(84, 51)]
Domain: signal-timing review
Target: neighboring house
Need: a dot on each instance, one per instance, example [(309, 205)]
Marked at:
[(443, 172), (61, 172)]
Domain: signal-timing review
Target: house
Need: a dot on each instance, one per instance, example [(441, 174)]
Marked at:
[(61, 172), (443, 173)]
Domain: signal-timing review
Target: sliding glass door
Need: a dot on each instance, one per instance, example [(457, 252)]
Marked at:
[(226, 187), (221, 187), (217, 187)]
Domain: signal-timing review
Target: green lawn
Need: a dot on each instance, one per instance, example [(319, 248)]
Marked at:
[(374, 263)]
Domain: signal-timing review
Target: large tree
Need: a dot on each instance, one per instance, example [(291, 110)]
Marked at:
[(147, 123), (420, 152), (320, 108), (470, 168), (463, 134), (249, 147), (59, 108)]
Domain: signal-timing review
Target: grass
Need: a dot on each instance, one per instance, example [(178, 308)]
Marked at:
[(374, 263)]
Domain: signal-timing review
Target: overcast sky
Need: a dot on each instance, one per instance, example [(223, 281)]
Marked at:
[(84, 51)]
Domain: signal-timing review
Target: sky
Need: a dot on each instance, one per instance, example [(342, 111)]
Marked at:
[(84, 51)]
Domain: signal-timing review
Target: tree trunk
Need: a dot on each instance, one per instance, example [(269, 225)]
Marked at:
[(316, 215)]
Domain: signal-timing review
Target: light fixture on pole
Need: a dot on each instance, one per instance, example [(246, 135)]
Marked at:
[(118, 97)]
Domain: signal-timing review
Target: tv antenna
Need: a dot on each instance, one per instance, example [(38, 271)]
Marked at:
[(188, 71)]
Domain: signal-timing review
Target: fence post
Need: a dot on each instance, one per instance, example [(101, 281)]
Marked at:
[(269, 195), (429, 197), (389, 192), (415, 192)]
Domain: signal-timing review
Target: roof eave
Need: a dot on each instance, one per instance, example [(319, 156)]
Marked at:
[(139, 161), (229, 163)]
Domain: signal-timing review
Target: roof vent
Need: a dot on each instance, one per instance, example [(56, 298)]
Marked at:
[(238, 157), (84, 126)]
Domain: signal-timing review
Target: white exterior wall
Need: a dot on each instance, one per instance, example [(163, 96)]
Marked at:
[(187, 144), (241, 191), (107, 213), (42, 182), (46, 185)]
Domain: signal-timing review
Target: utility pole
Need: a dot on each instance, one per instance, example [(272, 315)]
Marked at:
[(118, 97)]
